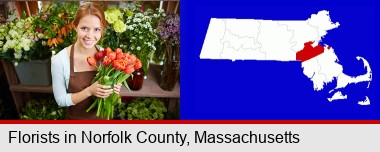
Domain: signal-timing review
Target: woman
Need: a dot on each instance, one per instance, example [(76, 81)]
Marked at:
[(71, 73)]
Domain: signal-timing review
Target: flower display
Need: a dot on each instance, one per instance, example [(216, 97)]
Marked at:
[(115, 67), (39, 36), (141, 35), (169, 31), (55, 26), (114, 18), (17, 38)]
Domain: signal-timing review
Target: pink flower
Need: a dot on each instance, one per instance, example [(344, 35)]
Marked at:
[(27, 25), (44, 17)]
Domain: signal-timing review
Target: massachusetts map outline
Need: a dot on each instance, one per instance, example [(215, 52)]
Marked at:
[(284, 41)]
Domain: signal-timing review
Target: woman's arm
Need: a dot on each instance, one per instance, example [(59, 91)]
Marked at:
[(65, 99), (61, 96)]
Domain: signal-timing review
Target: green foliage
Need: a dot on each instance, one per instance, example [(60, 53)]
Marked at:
[(55, 23), (43, 109), (136, 31), (40, 36), (143, 109)]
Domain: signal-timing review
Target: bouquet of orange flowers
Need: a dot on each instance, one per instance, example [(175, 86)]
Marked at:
[(115, 67)]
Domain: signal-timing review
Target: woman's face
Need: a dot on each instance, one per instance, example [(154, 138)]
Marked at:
[(89, 31)]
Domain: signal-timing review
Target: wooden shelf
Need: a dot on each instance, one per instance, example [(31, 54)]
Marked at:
[(150, 87), (24, 88), (20, 93)]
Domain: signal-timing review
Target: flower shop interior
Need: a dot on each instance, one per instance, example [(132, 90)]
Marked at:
[(32, 32)]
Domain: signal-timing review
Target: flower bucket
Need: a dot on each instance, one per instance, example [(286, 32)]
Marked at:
[(35, 72)]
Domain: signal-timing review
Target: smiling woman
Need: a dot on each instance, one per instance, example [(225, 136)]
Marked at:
[(71, 74)]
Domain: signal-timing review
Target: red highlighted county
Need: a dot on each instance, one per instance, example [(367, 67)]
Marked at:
[(309, 52)]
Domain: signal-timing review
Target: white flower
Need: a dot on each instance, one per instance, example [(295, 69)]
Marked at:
[(13, 33), (20, 24), (154, 48), (129, 27), (17, 54), (138, 48), (5, 48), (40, 35)]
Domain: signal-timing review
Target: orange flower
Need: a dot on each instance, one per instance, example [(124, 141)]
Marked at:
[(59, 32), (71, 25), (91, 61), (119, 64), (111, 55), (52, 41), (118, 50), (138, 64), (54, 27), (106, 61), (129, 69), (107, 50), (127, 55), (64, 16), (120, 56), (49, 43), (64, 31), (132, 59), (60, 40)]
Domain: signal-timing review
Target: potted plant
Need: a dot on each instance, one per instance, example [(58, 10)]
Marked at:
[(29, 42), (43, 109), (140, 33), (142, 109), (56, 27), (133, 30), (116, 27)]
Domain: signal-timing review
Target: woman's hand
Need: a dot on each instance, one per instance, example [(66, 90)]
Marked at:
[(101, 91), (116, 88)]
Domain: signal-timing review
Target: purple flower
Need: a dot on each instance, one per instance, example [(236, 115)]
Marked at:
[(169, 29)]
